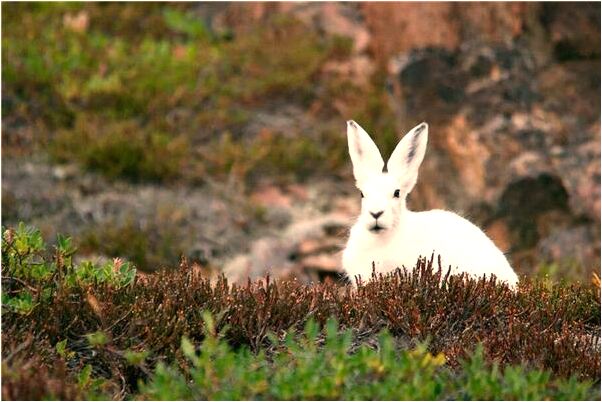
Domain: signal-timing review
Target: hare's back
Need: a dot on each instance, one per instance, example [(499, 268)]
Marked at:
[(460, 243)]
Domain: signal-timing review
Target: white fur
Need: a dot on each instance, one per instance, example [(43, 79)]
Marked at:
[(405, 235)]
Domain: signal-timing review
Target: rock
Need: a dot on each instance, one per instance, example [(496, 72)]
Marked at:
[(577, 245), (77, 22), (358, 69), (525, 140), (204, 220), (334, 19), (579, 168), (286, 255), (316, 246), (401, 27), (322, 262), (65, 172), (271, 196), (500, 234), (561, 20), (298, 192)]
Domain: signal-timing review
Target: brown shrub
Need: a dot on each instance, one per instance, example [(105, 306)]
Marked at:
[(551, 327)]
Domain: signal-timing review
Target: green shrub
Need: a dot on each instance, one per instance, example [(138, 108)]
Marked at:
[(301, 369), (133, 90), (149, 247), (122, 149), (276, 155), (33, 278)]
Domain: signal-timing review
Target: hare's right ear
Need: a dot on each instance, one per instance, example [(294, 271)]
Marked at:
[(364, 153), (407, 157)]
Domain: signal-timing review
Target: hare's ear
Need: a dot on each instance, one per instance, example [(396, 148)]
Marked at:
[(364, 153), (407, 157)]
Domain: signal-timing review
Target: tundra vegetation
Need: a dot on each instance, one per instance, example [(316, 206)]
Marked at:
[(165, 102), (80, 330)]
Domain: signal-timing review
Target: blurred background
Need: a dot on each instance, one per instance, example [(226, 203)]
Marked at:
[(216, 131)]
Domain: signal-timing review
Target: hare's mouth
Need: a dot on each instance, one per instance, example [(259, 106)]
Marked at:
[(376, 228)]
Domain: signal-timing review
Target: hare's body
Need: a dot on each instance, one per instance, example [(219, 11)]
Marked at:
[(461, 245), (387, 235)]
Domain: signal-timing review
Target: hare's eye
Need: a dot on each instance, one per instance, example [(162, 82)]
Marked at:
[(396, 194), (362, 194)]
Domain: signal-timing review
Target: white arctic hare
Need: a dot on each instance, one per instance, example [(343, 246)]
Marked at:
[(390, 236)]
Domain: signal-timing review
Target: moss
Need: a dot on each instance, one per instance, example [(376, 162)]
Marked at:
[(122, 149), (105, 69), (275, 155), (149, 248), (114, 86)]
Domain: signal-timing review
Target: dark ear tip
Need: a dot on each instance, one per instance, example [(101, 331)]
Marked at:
[(351, 123), (421, 127)]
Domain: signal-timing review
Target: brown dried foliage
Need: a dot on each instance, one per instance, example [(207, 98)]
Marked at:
[(32, 378), (552, 327)]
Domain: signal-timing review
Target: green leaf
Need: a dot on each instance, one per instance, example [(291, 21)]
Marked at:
[(184, 23), (209, 324), (22, 303), (187, 347), (135, 358), (61, 348), (83, 378), (64, 245), (98, 338)]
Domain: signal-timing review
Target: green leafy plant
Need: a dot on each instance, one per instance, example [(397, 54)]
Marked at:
[(63, 351), (90, 386), (515, 382), (118, 273), (22, 303), (33, 274), (185, 23), (301, 369), (136, 358), (98, 338)]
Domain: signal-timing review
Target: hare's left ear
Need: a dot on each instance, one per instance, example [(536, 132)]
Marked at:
[(407, 157), (364, 153)]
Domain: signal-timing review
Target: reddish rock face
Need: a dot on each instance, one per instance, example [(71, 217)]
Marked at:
[(514, 114), (401, 27)]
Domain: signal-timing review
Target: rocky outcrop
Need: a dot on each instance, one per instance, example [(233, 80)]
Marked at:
[(519, 137), (401, 27)]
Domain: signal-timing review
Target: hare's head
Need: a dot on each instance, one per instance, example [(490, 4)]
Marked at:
[(384, 187)]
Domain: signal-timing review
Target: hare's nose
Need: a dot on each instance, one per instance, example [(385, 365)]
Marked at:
[(376, 214)]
